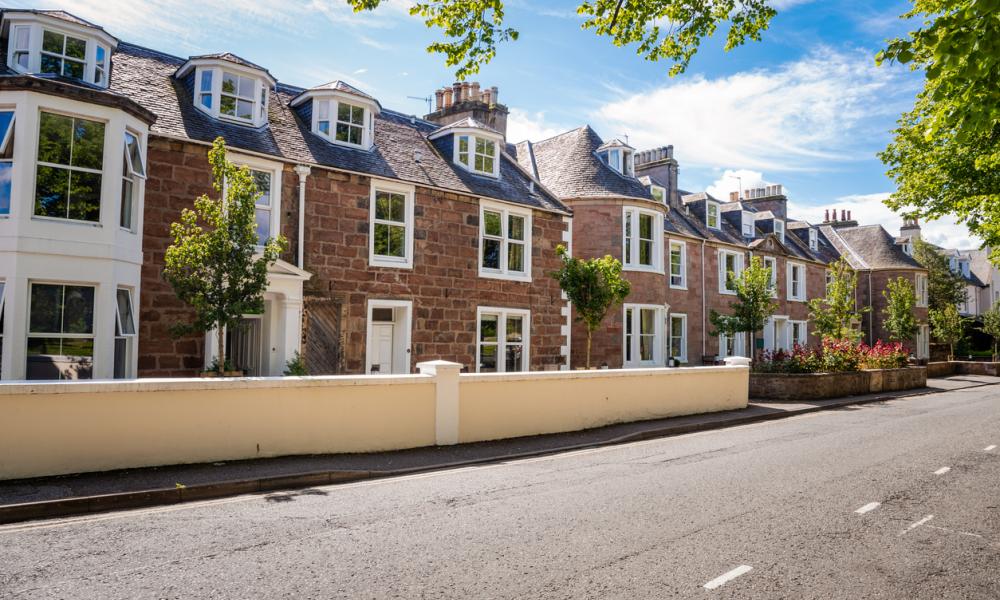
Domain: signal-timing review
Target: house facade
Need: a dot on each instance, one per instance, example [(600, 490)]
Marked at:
[(410, 238)]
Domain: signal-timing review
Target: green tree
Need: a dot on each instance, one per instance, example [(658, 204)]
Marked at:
[(836, 316), (898, 318), (944, 286), (948, 327), (594, 286), (991, 326), (753, 306), (215, 264)]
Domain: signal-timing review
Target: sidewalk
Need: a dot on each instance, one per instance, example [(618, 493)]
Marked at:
[(93, 492)]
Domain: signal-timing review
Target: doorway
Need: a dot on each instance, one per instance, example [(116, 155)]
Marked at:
[(387, 348), (245, 346)]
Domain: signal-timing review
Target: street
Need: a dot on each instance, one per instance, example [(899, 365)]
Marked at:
[(892, 500)]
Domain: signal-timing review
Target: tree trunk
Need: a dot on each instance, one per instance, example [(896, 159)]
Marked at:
[(589, 335), (221, 335)]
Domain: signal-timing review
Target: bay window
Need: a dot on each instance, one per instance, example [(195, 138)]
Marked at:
[(69, 168), (60, 331), (504, 242), (341, 121), (678, 265), (40, 44), (391, 225), (6, 159), (730, 269), (643, 335), (642, 236), (502, 340)]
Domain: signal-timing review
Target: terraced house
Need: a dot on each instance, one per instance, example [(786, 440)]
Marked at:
[(410, 238)]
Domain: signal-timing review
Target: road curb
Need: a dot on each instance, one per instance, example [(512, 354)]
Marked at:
[(67, 507)]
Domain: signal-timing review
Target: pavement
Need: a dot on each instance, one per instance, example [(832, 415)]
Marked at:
[(892, 499), (49, 497)]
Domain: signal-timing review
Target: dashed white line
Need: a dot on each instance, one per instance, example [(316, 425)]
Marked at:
[(917, 524), (867, 508), (725, 578), (942, 470), (990, 448)]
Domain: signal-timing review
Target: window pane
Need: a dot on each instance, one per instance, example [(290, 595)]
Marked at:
[(206, 100), (646, 226), (51, 65), (135, 154), (647, 321), (324, 127), (515, 227), (52, 42), (125, 217), (6, 168), (263, 218), (46, 309), (125, 312), (645, 252), (463, 144), (480, 164), (85, 196), (343, 132), (491, 254), (229, 83), (488, 328), (246, 87), (76, 48), (227, 105), (354, 136), (487, 358), (73, 69), (55, 134), (493, 223), (515, 257), (645, 347), (324, 110), (22, 36), (244, 109), (381, 241), (206, 81), (88, 144), (398, 202), (121, 358), (397, 241), (515, 329), (514, 358), (357, 115), (51, 192), (78, 310), (262, 180)]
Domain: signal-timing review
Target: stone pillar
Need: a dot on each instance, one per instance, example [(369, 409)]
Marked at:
[(445, 376)]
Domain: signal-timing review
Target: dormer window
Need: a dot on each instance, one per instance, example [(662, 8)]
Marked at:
[(229, 90), (813, 240), (779, 230), (748, 226), (340, 114), (907, 249), (658, 193), (478, 154), (712, 215), (620, 160), (48, 45)]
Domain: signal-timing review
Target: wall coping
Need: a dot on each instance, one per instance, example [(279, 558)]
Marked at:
[(198, 383), (596, 373)]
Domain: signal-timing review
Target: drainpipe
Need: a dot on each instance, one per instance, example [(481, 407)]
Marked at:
[(704, 318), (302, 171), (871, 308)]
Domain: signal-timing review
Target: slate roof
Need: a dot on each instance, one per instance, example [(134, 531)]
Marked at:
[(146, 76), (869, 247), (341, 86), (61, 15), (467, 123), (229, 57), (568, 165), (980, 266)]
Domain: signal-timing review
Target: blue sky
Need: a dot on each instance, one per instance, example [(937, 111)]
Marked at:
[(807, 107)]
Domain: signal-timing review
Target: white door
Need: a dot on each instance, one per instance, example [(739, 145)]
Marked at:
[(382, 345), (923, 342), (769, 334)]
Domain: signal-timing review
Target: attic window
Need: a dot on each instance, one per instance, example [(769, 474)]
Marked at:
[(748, 226), (231, 94), (236, 98), (658, 193), (343, 123), (64, 50), (63, 54), (620, 160), (712, 215), (779, 229), (813, 240), (478, 154)]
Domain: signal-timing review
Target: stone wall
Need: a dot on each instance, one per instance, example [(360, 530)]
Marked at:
[(963, 367), (817, 386)]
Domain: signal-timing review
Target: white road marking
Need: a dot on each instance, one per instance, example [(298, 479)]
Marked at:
[(867, 508), (975, 535), (990, 448), (917, 524), (942, 470), (725, 578)]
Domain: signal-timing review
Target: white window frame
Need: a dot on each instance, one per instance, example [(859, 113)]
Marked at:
[(469, 164), (93, 336), (683, 358), (6, 143), (779, 229), (739, 345), (803, 338), (813, 239), (658, 189), (260, 93), (3, 292), (275, 169), (130, 338), (35, 26), (681, 247), (501, 343), (771, 262), (748, 224), (723, 279), (506, 211), (134, 177), (712, 209), (104, 166), (630, 244), (392, 187), (631, 342), (791, 269), (920, 284)]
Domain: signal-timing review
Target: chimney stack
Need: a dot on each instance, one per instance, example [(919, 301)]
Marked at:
[(463, 100)]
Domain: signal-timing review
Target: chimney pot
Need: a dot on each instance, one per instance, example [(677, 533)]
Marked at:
[(494, 95), (848, 215), (466, 91), (843, 215), (734, 196), (447, 97), (475, 92), (438, 99), (826, 216), (456, 92)]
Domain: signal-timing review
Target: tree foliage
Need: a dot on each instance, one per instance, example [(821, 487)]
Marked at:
[(659, 29), (945, 155), (594, 286), (754, 303), (944, 286), (948, 327), (835, 316), (215, 264), (991, 326), (898, 318)]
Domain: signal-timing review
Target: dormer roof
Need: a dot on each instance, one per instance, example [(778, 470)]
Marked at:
[(466, 123), (225, 57), (614, 143), (336, 87), (65, 17)]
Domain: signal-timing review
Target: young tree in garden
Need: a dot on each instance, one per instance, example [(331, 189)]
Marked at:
[(835, 316), (753, 306), (898, 318), (948, 327), (216, 263), (944, 287), (991, 326), (593, 286)]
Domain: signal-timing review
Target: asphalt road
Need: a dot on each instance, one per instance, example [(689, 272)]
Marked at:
[(762, 511)]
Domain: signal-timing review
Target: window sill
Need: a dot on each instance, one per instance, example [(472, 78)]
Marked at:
[(642, 269), (386, 263), (728, 292), (77, 222), (525, 278), (679, 287)]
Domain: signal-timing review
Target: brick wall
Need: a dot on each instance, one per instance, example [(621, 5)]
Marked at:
[(872, 321)]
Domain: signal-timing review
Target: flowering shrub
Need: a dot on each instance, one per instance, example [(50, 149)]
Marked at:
[(832, 357)]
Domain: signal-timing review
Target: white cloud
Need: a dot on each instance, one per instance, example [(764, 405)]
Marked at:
[(360, 71), (732, 179), (869, 209), (802, 115), (523, 125)]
